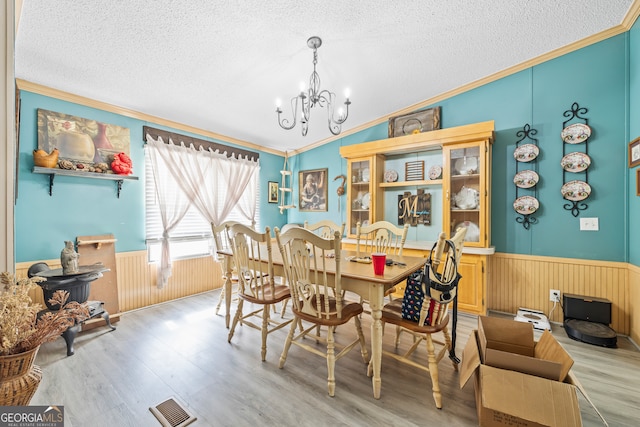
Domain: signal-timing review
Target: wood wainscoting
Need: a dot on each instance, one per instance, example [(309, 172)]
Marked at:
[(524, 281), (514, 281), (634, 298), (137, 279)]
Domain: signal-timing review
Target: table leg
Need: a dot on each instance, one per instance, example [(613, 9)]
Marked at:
[(228, 267), (376, 299)]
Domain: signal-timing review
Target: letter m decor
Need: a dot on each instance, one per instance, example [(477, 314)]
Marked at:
[(414, 209)]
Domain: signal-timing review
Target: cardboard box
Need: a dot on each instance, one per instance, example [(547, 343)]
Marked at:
[(513, 397), (505, 335), (507, 344)]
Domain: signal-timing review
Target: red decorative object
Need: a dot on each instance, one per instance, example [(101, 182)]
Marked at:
[(121, 164)]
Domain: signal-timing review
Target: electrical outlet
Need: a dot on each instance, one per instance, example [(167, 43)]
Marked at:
[(554, 295)]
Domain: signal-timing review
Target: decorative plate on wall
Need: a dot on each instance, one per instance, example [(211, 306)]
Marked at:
[(526, 205), (576, 133), (575, 162), (526, 179), (526, 152), (576, 190)]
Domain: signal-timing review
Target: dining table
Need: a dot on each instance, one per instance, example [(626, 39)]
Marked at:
[(356, 277)]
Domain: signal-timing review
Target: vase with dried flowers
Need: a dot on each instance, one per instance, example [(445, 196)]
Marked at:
[(24, 326)]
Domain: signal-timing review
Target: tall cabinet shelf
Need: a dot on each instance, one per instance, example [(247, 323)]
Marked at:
[(363, 173), (464, 183)]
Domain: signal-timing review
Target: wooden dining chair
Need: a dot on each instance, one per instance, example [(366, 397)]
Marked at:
[(434, 317), (381, 236), (257, 285), (325, 228), (222, 241), (312, 267)]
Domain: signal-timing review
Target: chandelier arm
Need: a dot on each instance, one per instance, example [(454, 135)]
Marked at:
[(284, 122)]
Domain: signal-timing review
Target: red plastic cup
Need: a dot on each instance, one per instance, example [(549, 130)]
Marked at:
[(379, 260)]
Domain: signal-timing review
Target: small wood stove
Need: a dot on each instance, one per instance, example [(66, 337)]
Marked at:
[(78, 286)]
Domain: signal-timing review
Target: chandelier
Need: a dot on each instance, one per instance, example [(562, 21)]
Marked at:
[(308, 99)]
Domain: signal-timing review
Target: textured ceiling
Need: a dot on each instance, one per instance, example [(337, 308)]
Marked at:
[(220, 65)]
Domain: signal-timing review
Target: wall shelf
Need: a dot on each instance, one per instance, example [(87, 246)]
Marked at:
[(52, 172)]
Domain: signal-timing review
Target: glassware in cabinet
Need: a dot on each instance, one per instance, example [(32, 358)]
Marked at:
[(465, 189), (362, 206)]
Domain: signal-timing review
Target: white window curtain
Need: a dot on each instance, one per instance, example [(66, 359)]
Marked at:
[(197, 171)]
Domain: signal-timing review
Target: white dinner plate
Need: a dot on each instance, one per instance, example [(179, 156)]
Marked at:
[(466, 165), (390, 176), (467, 198), (365, 175), (366, 201), (435, 172), (473, 231)]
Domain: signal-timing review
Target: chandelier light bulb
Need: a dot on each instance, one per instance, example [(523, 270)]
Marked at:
[(302, 87), (347, 93), (278, 102)]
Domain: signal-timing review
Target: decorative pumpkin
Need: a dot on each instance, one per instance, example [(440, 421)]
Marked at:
[(121, 164)]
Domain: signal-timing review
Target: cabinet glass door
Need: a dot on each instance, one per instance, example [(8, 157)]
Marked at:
[(466, 192), (359, 194)]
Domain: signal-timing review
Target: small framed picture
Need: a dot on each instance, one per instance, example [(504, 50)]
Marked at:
[(273, 192), (634, 153)]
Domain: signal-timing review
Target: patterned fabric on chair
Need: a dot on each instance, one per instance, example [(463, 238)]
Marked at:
[(445, 263), (314, 303), (256, 282)]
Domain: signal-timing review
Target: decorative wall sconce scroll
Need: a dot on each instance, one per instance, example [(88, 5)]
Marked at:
[(575, 137), (526, 177)]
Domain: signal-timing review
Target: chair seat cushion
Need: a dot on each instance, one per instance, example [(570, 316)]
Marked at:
[(271, 295), (330, 318), (392, 313)]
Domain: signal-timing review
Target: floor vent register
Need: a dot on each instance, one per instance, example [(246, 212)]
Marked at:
[(171, 413)]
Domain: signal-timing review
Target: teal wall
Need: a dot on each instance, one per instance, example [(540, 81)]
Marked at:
[(595, 78), (634, 132), (84, 206), (599, 77)]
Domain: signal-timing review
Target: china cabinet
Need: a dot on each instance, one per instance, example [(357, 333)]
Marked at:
[(363, 173), (458, 172), (466, 195)]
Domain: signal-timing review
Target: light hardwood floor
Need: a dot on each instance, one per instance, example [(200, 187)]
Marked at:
[(180, 349)]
